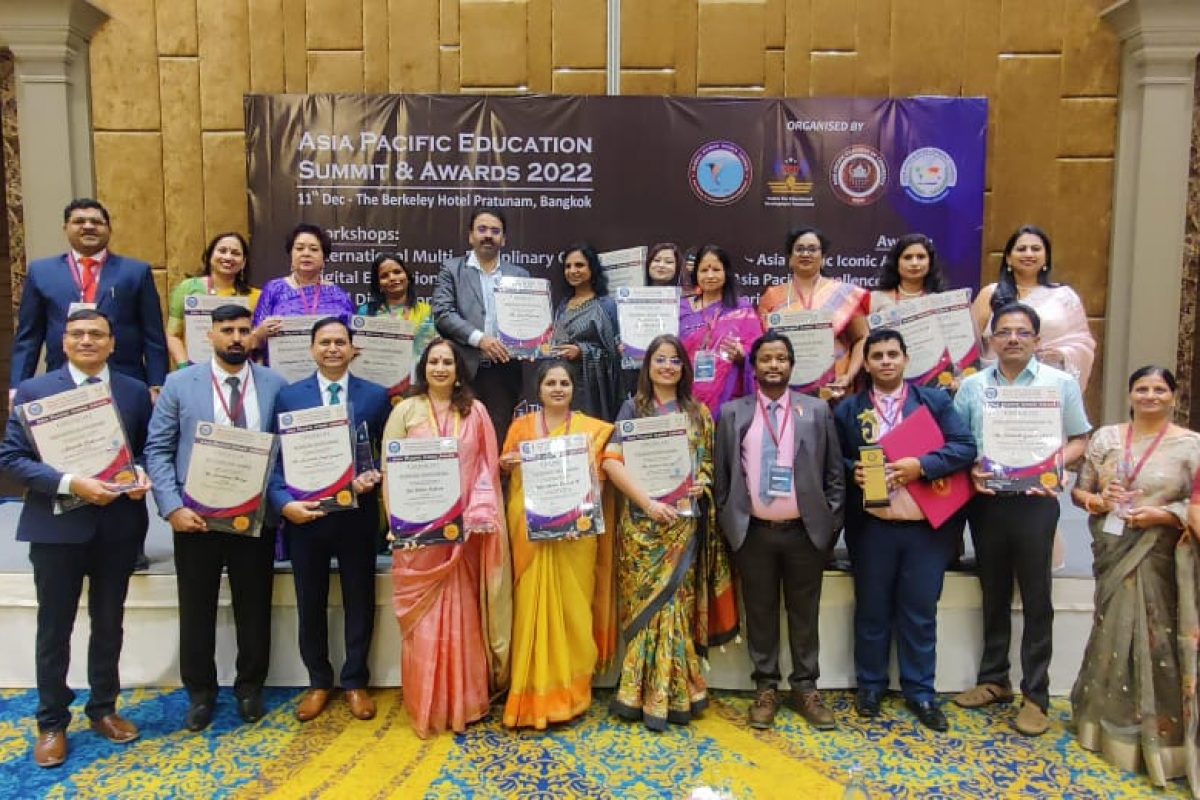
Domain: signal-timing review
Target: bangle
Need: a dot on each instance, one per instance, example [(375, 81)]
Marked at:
[(1087, 504)]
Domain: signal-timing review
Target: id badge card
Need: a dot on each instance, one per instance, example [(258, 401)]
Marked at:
[(779, 481), (1113, 524), (80, 306), (706, 366)]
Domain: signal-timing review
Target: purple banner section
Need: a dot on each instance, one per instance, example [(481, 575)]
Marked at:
[(400, 173)]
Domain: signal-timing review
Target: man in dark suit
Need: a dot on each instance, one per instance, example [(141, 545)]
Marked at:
[(464, 307), (899, 560), (99, 539), (350, 536), (227, 390), (780, 491)]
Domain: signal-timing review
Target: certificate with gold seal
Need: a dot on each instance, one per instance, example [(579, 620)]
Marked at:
[(644, 312), (958, 328), (79, 431), (918, 322), (562, 490), (227, 477), (385, 351), (316, 449), (524, 321), (659, 457), (811, 335), (1022, 437), (423, 490), (290, 350), (197, 321)]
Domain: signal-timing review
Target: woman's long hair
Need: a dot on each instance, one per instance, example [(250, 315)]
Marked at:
[(461, 396), (643, 398), (889, 277), (378, 301), (680, 269), (1006, 284), (241, 286)]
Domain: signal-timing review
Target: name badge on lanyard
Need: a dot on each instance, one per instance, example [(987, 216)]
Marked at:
[(779, 481), (706, 366), (80, 306)]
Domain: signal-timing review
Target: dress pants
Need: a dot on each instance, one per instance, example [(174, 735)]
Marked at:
[(1014, 537), (199, 560), (498, 387), (772, 555), (350, 537), (898, 572), (58, 571)]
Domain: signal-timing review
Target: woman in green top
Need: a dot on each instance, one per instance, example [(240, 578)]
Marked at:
[(224, 274), (392, 295)]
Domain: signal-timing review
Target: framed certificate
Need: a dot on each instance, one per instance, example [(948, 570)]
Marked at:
[(227, 477), (917, 321), (385, 350), (197, 322), (953, 310), (424, 491), (1022, 437), (79, 431), (659, 457), (290, 350), (624, 267), (642, 314), (811, 335), (562, 492), (524, 322), (317, 453)]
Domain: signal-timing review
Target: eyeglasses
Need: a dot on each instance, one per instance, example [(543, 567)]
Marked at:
[(76, 336), (1008, 333), (806, 249), (485, 230), (664, 361)]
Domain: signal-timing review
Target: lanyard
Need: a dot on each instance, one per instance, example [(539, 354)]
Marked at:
[(1128, 456), (546, 429), (665, 408), (238, 409), (310, 308), (442, 427), (777, 437), (710, 321), (804, 301), (77, 276), (897, 414)]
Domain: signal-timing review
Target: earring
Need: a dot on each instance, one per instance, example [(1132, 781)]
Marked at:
[(458, 384), (1045, 268)]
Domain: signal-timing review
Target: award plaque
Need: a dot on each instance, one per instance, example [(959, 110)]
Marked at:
[(875, 490)]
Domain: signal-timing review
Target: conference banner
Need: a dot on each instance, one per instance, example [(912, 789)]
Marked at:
[(401, 173)]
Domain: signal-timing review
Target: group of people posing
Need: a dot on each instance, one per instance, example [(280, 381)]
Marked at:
[(777, 476)]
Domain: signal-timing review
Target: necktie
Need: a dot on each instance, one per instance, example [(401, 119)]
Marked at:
[(769, 453), (335, 392), (89, 278), (237, 414), (91, 379)]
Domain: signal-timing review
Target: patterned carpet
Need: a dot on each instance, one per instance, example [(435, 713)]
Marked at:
[(594, 757)]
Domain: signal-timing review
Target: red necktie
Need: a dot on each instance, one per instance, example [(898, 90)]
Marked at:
[(90, 267)]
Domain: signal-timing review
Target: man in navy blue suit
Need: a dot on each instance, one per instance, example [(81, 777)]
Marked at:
[(899, 561), (350, 536), (99, 539)]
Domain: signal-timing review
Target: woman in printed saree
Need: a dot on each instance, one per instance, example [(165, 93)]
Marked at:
[(910, 270), (673, 572), (809, 289), (564, 625), (392, 295), (1066, 340), (717, 328), (225, 260), (1135, 483), (585, 334), (453, 600)]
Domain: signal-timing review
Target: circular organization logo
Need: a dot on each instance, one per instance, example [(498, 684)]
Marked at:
[(623, 293), (358, 322), (859, 175), (928, 174), (285, 419), (34, 409), (773, 320), (526, 449), (626, 427), (720, 173), (990, 393), (875, 320), (393, 447), (191, 301), (205, 429)]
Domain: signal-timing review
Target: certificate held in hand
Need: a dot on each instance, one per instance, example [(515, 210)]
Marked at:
[(317, 453), (562, 493), (917, 435), (227, 475), (423, 490)]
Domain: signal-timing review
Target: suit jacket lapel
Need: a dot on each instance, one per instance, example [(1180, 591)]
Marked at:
[(109, 275), (204, 393), (474, 280)]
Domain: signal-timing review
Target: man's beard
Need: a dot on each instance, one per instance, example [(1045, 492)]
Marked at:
[(234, 357)]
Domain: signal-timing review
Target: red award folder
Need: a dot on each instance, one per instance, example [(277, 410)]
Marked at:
[(917, 435)]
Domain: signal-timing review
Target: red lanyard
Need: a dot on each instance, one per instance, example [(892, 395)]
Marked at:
[(240, 407), (804, 301), (443, 427), (546, 428), (1128, 455), (77, 275), (897, 414), (710, 322), (312, 307), (785, 402)]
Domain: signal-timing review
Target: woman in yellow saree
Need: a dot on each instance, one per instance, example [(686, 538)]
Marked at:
[(564, 621)]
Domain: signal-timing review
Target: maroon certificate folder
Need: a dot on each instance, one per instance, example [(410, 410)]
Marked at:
[(917, 435)]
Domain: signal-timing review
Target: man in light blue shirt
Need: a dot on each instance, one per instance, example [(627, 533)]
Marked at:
[(1013, 532)]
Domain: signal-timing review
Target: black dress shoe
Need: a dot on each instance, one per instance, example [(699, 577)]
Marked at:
[(866, 703), (251, 708), (141, 563), (929, 714), (199, 716)]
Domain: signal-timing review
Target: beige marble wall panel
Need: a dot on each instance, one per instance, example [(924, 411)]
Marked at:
[(874, 47), (1088, 126), (797, 42), (1024, 176), (267, 55), (225, 186), (448, 77), (182, 164), (832, 74), (1031, 26), (334, 24), (647, 39), (774, 24), (685, 26), (1091, 52), (129, 181), (1093, 396), (375, 46), (124, 68), (162, 284), (730, 43), (927, 56), (773, 73), (539, 49), (832, 23), (1080, 231), (224, 63), (413, 55), (175, 22), (981, 48), (335, 71), (492, 33), (448, 31), (295, 57), (579, 81), (580, 33), (642, 82), (731, 91)]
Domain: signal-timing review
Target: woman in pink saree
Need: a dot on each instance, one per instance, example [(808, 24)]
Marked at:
[(453, 600)]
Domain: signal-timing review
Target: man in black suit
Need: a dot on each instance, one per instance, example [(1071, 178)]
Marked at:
[(99, 539)]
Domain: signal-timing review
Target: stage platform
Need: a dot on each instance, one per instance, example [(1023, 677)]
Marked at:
[(151, 651)]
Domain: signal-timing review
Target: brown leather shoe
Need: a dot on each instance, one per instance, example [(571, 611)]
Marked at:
[(809, 706), (116, 729), (312, 704), (361, 704), (51, 748), (762, 710), (1031, 720), (983, 695)]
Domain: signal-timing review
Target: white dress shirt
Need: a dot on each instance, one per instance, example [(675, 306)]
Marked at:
[(249, 397)]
